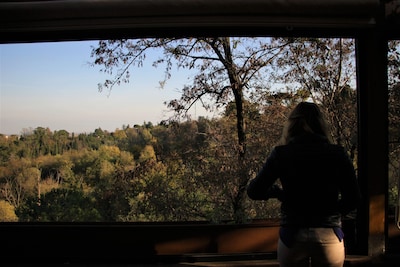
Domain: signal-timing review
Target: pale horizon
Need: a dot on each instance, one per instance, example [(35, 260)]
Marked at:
[(51, 85)]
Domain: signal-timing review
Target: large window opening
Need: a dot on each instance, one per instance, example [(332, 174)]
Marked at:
[(175, 133)]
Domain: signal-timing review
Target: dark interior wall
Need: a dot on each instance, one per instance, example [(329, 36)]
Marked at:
[(365, 20)]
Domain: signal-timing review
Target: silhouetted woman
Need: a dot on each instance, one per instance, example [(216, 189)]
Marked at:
[(318, 187)]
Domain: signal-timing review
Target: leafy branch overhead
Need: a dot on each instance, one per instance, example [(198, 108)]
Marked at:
[(225, 68)]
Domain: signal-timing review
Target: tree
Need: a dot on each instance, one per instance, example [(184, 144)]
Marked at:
[(394, 121), (323, 70), (6, 148), (7, 213), (228, 70), (42, 138), (60, 205), (62, 142), (18, 180)]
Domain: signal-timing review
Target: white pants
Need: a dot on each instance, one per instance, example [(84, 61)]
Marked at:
[(316, 247)]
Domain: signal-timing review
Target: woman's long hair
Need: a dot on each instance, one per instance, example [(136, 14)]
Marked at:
[(305, 118)]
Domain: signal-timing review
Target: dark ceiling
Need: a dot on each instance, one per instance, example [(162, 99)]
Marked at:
[(61, 20)]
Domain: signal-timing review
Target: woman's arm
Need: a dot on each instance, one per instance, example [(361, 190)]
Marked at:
[(262, 187)]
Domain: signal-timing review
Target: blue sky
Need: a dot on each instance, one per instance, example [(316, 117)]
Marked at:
[(51, 85)]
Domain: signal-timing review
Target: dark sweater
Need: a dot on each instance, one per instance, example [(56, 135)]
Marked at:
[(318, 180)]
